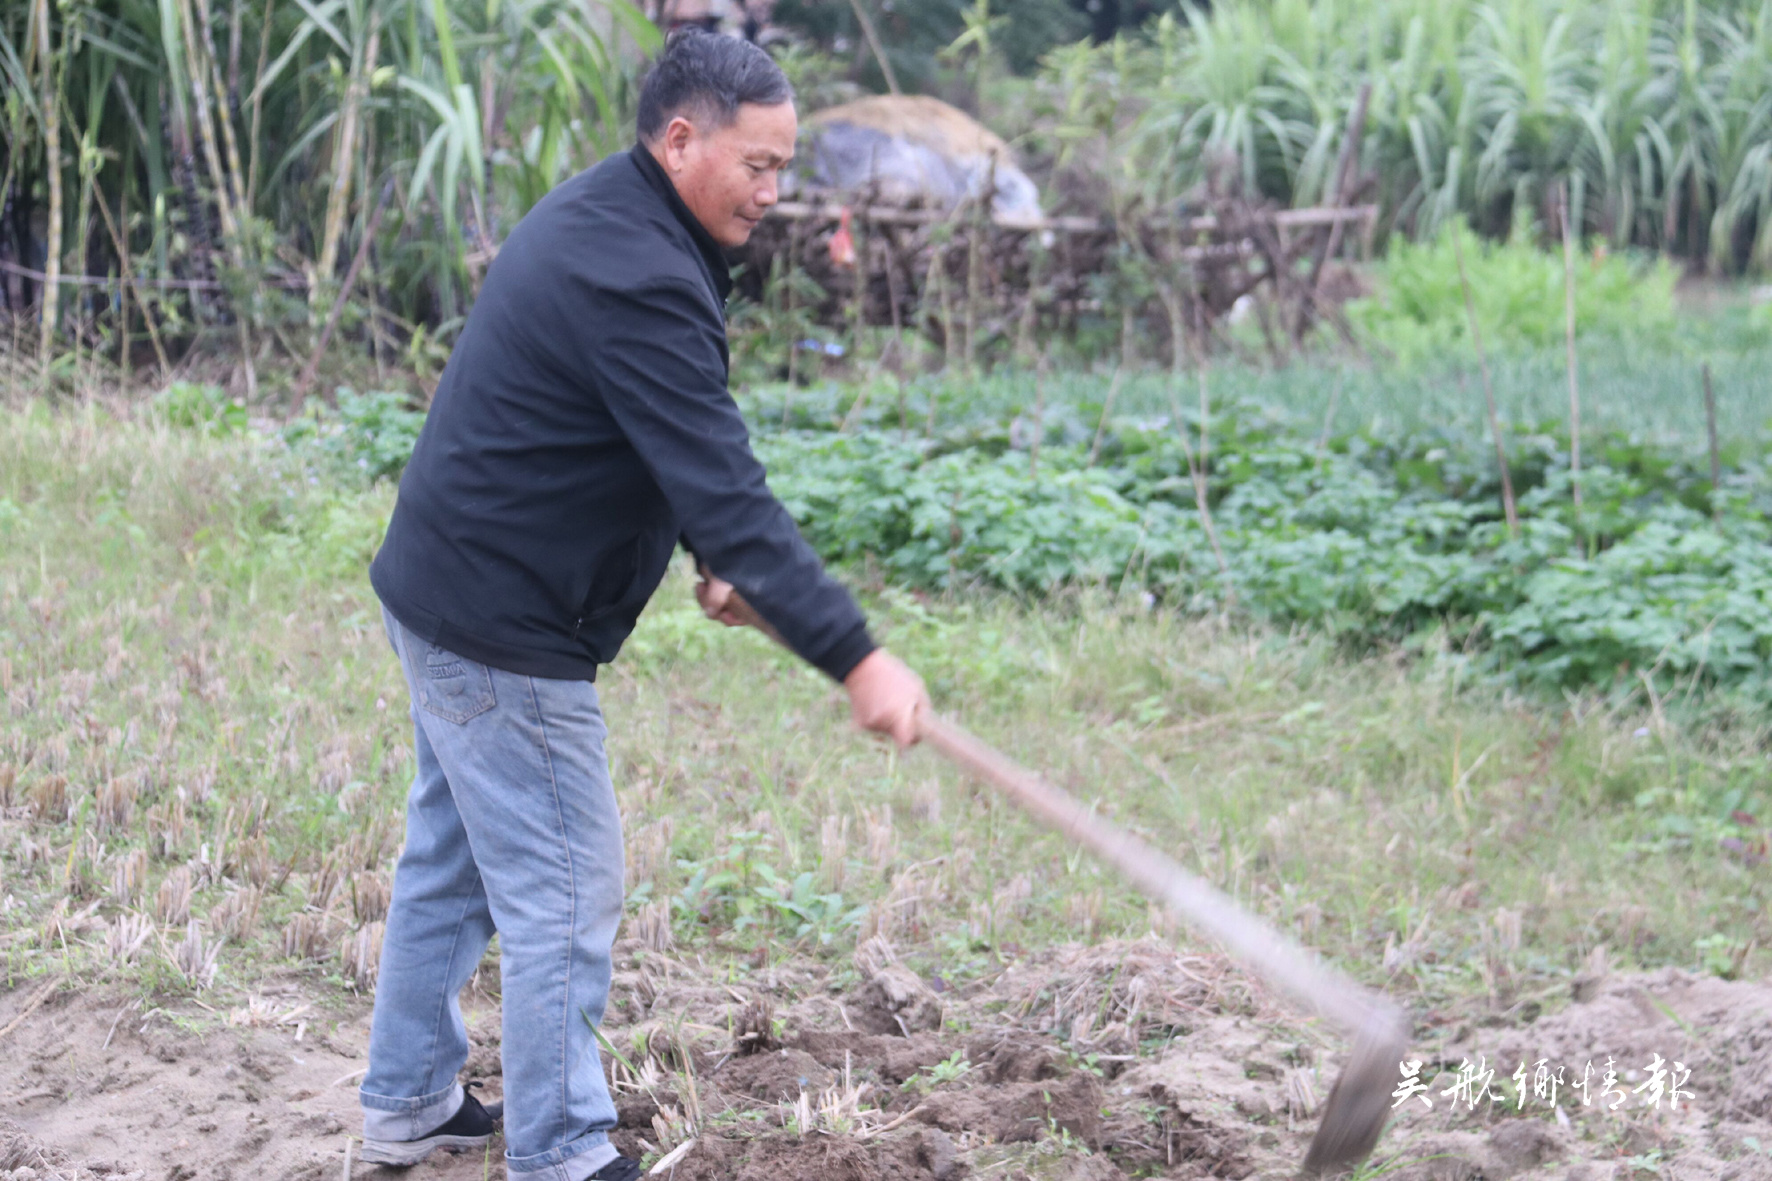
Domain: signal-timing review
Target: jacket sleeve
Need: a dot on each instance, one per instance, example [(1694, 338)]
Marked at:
[(656, 358)]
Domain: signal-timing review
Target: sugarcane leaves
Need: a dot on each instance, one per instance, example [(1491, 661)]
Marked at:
[(456, 141), (317, 18)]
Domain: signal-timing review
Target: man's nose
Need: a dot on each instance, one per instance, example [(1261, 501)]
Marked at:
[(765, 195)]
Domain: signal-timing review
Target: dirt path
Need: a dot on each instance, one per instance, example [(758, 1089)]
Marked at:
[(1077, 1065)]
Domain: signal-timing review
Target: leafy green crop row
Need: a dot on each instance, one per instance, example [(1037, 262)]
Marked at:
[(1370, 540)]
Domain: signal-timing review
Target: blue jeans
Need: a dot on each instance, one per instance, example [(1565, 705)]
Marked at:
[(511, 826)]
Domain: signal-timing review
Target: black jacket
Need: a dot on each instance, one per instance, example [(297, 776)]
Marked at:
[(583, 426)]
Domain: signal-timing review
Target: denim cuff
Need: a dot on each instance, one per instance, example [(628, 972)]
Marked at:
[(571, 1162), (386, 1118)]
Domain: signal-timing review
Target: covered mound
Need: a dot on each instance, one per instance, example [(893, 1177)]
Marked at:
[(915, 150)]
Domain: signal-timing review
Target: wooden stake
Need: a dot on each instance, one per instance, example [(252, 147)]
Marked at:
[(1470, 311), (1569, 342), (1716, 460)]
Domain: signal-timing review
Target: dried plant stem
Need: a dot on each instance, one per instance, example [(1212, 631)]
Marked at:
[(1196, 469), (1470, 311), (950, 337), (128, 273), (30, 1006), (1716, 459), (974, 293), (858, 306), (1569, 343), (1107, 408), (344, 293), (873, 40), (788, 315), (891, 260), (1025, 349)]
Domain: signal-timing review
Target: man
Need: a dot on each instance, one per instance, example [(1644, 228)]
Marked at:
[(582, 427)]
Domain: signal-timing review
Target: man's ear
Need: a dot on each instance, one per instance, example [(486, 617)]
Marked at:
[(674, 141)]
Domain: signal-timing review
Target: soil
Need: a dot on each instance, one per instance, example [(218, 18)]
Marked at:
[(1083, 1064)]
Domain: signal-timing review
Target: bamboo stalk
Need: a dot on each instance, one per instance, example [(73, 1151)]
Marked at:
[(1470, 311), (236, 182), (195, 63), (236, 179), (258, 107), (52, 132), (344, 153), (1569, 344), (83, 205), (1039, 418), (233, 91)]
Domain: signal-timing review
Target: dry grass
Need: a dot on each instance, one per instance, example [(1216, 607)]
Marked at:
[(202, 719)]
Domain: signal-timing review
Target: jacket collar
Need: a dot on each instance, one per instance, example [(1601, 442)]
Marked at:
[(712, 255)]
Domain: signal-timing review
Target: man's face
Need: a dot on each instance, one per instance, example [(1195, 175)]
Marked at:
[(727, 175)]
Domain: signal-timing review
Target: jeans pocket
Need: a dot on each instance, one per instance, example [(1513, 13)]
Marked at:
[(454, 688)]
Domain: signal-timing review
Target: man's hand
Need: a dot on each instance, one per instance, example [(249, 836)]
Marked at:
[(885, 696), (716, 598)]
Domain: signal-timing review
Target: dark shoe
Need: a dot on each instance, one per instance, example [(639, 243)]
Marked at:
[(469, 1128), (619, 1169)]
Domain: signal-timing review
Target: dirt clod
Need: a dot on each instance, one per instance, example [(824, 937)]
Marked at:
[(895, 1000)]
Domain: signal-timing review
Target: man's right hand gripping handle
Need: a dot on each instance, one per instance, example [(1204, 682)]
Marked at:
[(885, 696)]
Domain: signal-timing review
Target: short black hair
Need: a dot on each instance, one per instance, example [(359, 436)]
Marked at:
[(710, 76)]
